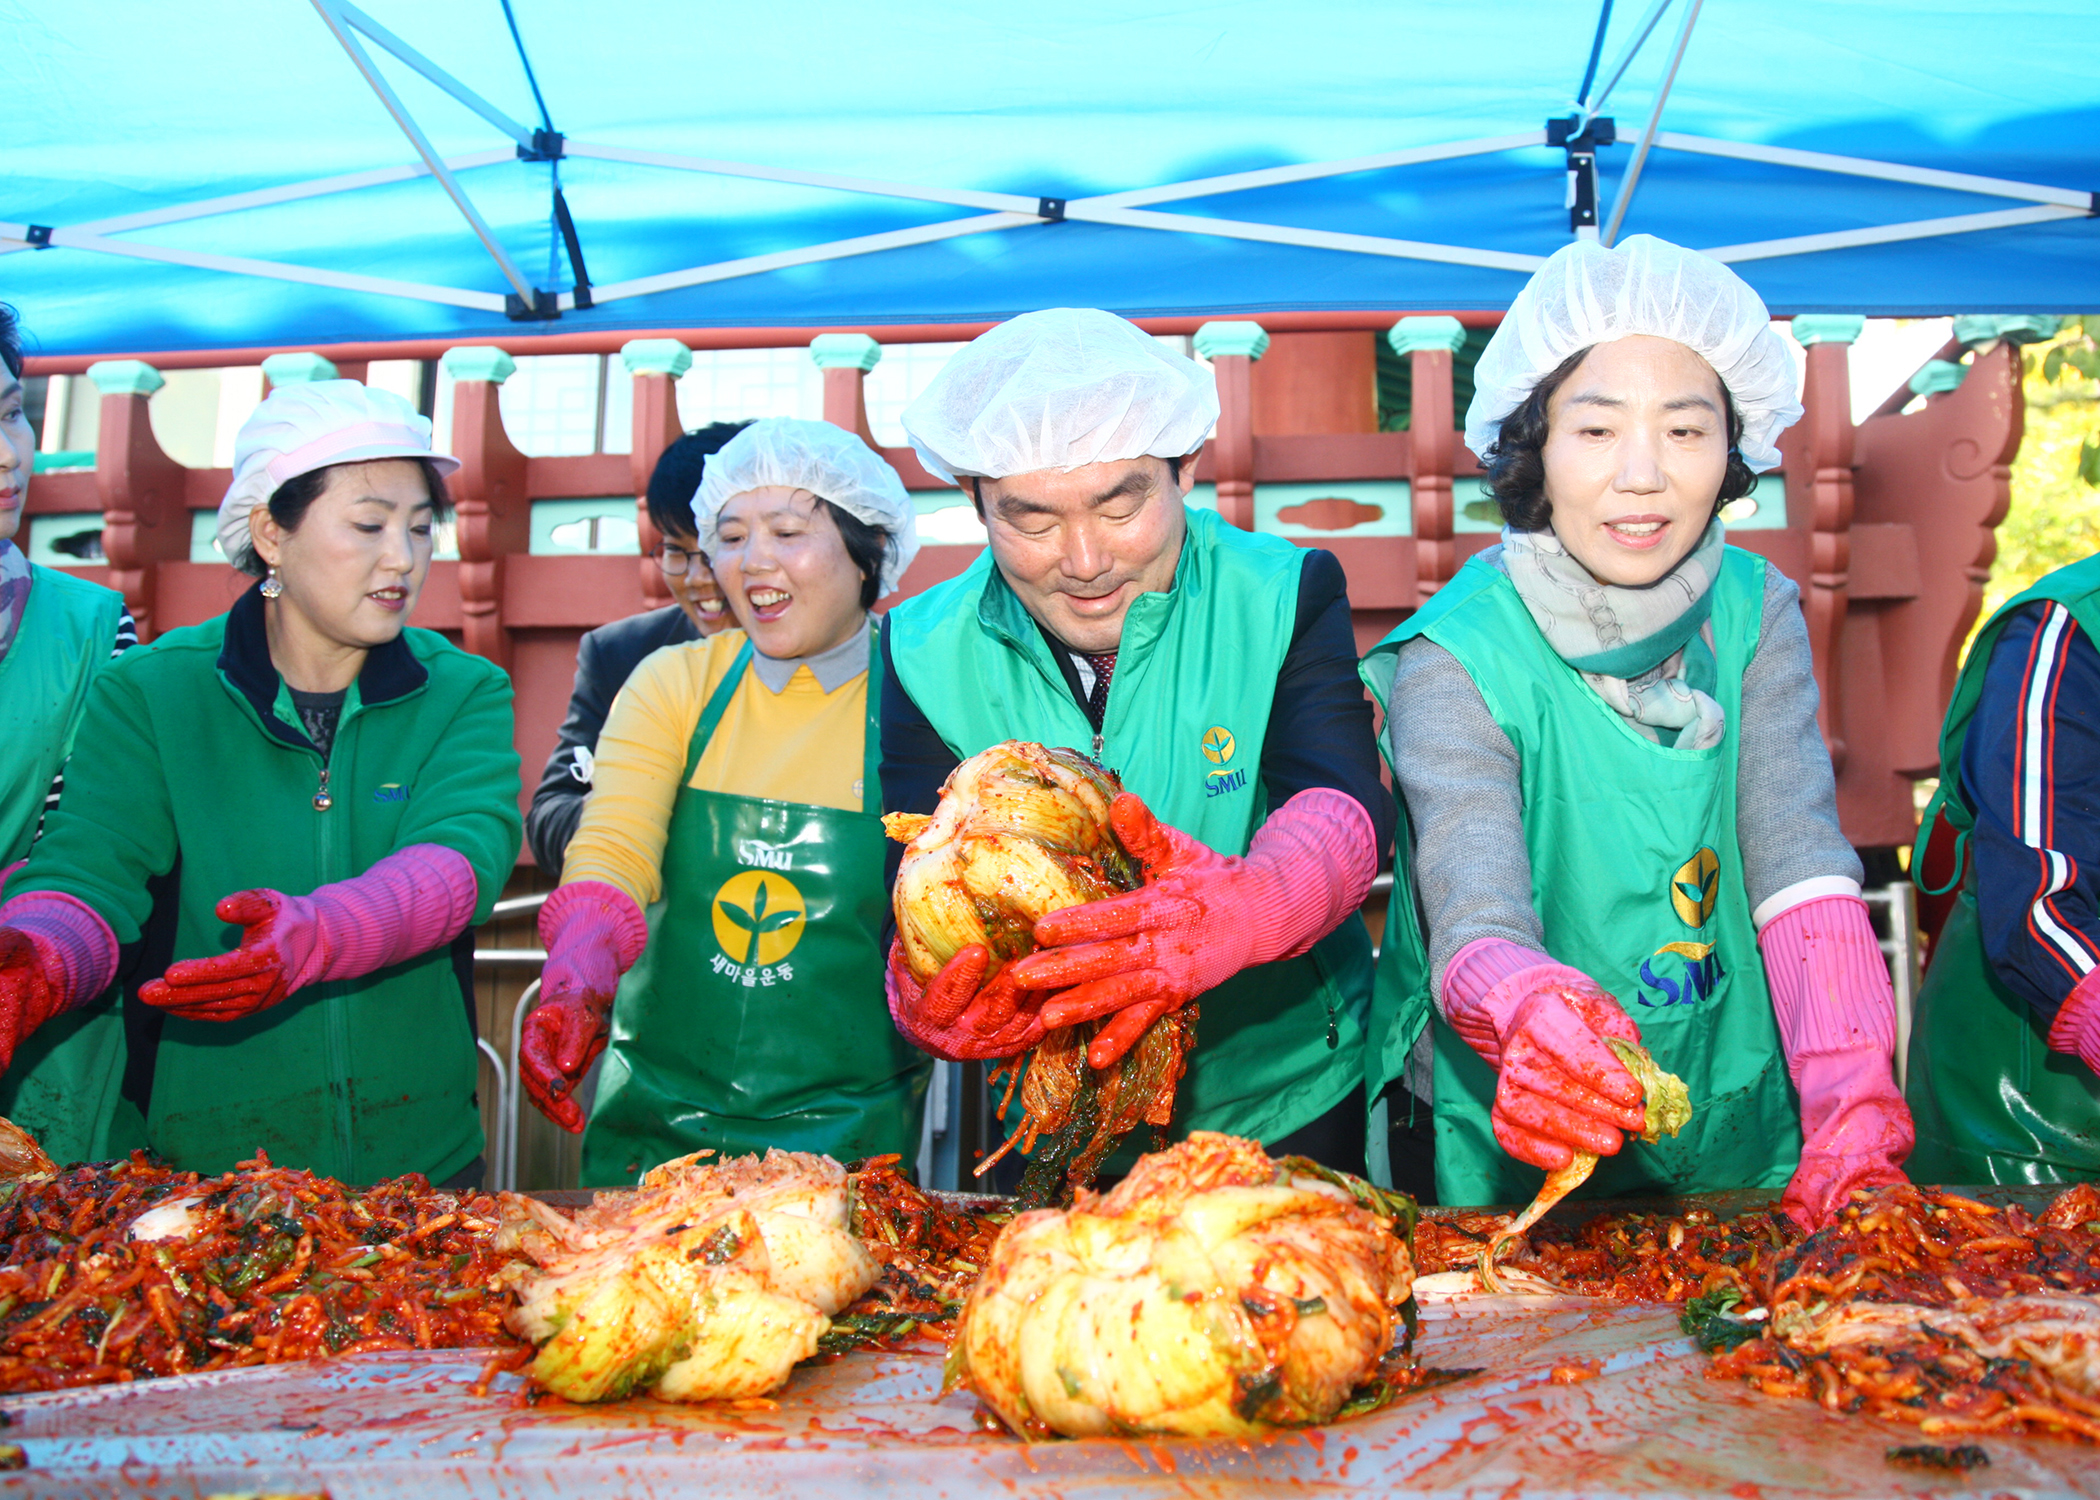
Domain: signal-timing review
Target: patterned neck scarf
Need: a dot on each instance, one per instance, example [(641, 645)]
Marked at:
[(14, 593), (1648, 652)]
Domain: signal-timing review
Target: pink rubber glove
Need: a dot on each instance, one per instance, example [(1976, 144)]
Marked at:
[(2076, 1029), (1541, 1026), (959, 1017), (1837, 1022), (408, 903), (56, 952), (1201, 917), (594, 932)]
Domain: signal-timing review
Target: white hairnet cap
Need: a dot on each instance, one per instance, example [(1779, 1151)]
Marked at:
[(1585, 294), (308, 426), (1058, 389), (830, 462)]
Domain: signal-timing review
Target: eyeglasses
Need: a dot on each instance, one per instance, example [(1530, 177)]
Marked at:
[(675, 562)]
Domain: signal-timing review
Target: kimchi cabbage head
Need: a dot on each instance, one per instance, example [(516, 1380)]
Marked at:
[(1214, 1292)]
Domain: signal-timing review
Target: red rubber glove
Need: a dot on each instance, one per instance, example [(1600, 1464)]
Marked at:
[(1201, 917), (957, 1015), (1837, 1023), (594, 932), (56, 952), (2076, 1030), (408, 903), (1541, 1026)]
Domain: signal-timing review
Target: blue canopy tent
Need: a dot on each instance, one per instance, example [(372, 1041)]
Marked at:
[(234, 174)]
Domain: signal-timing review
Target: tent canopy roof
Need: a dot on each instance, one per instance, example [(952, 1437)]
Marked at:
[(984, 113)]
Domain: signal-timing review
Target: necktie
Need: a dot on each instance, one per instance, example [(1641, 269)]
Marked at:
[(1104, 667)]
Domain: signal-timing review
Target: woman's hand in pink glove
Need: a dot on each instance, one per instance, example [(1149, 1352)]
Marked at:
[(1541, 1026), (406, 904), (28, 997), (1857, 1129), (1837, 1023), (594, 932), (957, 1015), (276, 949), (1201, 917), (1561, 1090)]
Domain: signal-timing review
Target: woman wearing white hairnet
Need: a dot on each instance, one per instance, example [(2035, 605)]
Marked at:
[(1624, 822), (735, 801), (307, 782)]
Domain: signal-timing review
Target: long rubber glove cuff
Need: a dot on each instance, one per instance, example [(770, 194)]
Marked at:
[(56, 952), (956, 1015), (1201, 917), (2076, 1029), (1837, 1023), (415, 899), (594, 932), (1558, 1088)]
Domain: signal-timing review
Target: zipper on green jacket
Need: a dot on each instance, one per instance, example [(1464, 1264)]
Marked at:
[(333, 994)]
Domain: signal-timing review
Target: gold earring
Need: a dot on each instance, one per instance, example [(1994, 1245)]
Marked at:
[(272, 585)]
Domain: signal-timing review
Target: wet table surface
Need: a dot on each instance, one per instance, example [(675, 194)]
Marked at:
[(1650, 1424)]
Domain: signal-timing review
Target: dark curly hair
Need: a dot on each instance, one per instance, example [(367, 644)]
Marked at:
[(10, 341), (1516, 461)]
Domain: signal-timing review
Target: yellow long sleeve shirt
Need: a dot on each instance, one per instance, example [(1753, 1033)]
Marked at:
[(799, 745)]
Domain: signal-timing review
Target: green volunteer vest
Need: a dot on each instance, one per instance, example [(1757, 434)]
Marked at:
[(1187, 718), (1637, 878), (62, 1084), (1991, 1101)]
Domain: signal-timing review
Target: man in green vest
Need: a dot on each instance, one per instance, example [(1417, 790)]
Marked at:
[(2005, 1051), (1212, 668)]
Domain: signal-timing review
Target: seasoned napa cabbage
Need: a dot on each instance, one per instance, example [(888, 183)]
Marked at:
[(709, 1281), (1213, 1292)]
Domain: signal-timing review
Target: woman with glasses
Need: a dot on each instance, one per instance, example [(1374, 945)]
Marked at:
[(736, 804), (607, 656)]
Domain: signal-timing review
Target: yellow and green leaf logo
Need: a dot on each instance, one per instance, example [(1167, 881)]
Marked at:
[(758, 917), (1217, 745), (1694, 888)]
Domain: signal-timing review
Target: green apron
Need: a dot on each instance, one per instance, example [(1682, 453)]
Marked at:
[(1990, 1100), (62, 1086), (1637, 879), (755, 1016)]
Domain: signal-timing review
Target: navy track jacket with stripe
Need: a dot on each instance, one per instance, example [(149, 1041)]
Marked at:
[(2030, 767)]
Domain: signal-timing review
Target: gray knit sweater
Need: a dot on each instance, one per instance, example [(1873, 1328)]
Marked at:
[(1460, 782)]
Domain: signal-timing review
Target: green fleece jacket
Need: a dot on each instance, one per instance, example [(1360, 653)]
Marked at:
[(191, 769)]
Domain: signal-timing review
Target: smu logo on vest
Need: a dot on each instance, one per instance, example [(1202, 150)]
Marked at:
[(1686, 972), (392, 791), (1218, 745), (758, 919)]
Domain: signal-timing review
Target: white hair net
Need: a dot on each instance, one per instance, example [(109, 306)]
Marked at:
[(1585, 294), (830, 463), (311, 425), (1058, 389)]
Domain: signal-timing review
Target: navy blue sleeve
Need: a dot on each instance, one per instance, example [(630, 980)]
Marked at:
[(1320, 725), (2030, 768)]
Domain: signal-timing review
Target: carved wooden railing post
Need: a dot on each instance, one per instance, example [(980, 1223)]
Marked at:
[(144, 520), (1232, 348), (1429, 344), (845, 359), (1827, 428), (654, 365), (298, 369), (494, 511)]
